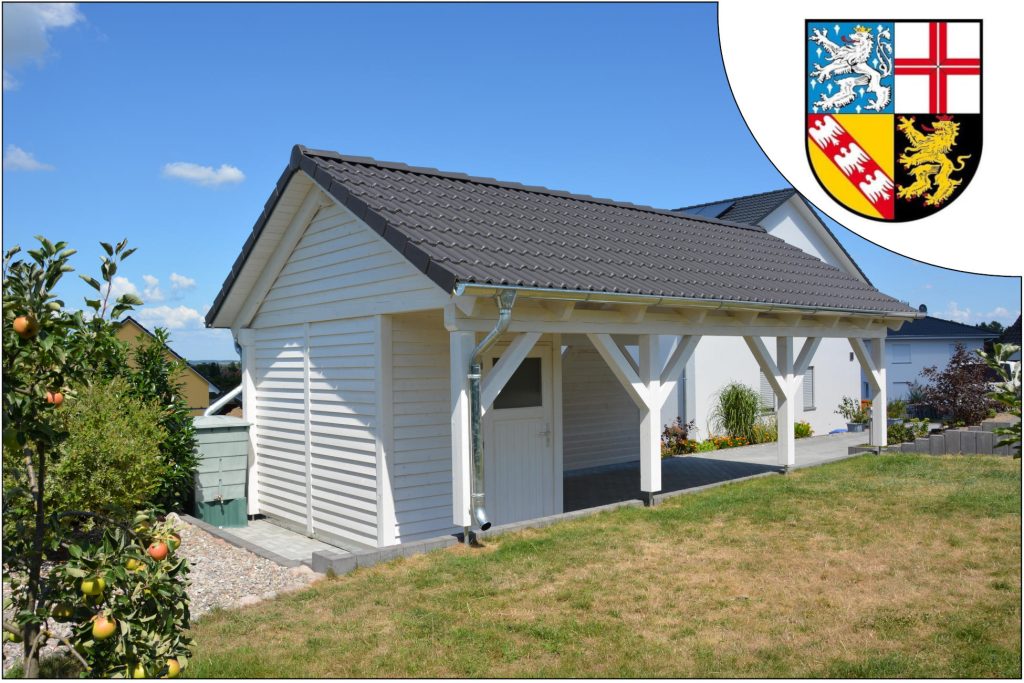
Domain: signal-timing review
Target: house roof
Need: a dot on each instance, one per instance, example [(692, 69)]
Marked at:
[(937, 327), (1011, 335), (174, 353), (460, 229), (750, 209), (754, 208)]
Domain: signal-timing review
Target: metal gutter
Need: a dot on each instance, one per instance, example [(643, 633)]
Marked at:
[(487, 290)]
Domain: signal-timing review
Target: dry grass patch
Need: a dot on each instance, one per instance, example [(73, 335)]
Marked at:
[(878, 566)]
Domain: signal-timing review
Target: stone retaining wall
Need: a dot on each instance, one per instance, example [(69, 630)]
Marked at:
[(975, 440)]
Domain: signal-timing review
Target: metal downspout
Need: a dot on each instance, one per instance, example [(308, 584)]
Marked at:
[(505, 300)]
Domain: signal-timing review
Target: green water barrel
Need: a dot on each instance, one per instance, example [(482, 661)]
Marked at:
[(223, 445)]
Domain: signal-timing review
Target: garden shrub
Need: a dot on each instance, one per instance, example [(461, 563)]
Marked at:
[(959, 392), (156, 378), (802, 430), (677, 439), (111, 458), (853, 411), (898, 433), (728, 441), (897, 408), (1006, 393), (736, 411), (765, 430)]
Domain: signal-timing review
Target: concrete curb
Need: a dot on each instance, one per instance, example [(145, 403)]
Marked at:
[(226, 535), (659, 497), (345, 562), (542, 522)]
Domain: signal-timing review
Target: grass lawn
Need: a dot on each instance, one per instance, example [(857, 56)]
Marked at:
[(878, 566)]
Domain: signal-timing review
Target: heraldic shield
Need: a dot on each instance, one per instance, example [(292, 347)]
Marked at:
[(894, 113)]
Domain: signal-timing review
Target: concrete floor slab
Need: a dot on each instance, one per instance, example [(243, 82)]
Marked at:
[(613, 483)]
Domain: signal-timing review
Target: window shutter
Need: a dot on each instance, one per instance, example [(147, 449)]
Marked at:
[(809, 389), (767, 395)]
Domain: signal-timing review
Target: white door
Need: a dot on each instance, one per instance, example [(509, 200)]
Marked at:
[(519, 454)]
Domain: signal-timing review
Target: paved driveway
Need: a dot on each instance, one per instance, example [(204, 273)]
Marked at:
[(613, 483)]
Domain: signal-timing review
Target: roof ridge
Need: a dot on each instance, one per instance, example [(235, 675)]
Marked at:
[(511, 185), (736, 199)]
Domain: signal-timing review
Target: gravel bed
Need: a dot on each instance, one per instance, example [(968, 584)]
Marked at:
[(222, 575)]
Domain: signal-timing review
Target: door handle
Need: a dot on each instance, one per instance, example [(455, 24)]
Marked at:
[(546, 434)]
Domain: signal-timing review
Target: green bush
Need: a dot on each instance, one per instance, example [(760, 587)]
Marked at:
[(900, 432), (802, 430), (155, 378), (853, 411), (736, 411), (111, 457), (897, 408), (765, 430), (705, 446)]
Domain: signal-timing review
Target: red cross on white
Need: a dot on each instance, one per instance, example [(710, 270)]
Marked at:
[(939, 66)]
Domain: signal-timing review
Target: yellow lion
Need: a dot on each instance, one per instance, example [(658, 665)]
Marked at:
[(925, 159)]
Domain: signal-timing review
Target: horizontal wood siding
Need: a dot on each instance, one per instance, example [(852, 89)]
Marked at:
[(421, 470), (601, 423), (342, 429), (281, 423), (341, 268)]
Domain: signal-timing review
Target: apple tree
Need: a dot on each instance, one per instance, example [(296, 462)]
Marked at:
[(115, 579)]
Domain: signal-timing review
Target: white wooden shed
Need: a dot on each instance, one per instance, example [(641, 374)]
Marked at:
[(364, 290)]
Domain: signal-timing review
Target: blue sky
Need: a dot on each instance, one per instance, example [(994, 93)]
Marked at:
[(170, 124)]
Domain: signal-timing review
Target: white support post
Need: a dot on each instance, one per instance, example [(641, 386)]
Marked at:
[(461, 353), (786, 411), (873, 363), (650, 417), (648, 384), (879, 406), (784, 374)]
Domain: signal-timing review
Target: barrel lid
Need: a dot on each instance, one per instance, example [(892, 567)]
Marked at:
[(218, 422)]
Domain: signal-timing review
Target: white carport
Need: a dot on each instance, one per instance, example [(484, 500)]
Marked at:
[(611, 324)]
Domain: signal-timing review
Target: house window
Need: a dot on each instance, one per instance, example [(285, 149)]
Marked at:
[(767, 394), (523, 389), (900, 353), (900, 390), (809, 389)]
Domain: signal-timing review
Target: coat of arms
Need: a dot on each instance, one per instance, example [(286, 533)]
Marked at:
[(894, 113)]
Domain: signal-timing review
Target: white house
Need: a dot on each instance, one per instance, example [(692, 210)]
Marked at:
[(427, 352), (924, 343), (835, 372)]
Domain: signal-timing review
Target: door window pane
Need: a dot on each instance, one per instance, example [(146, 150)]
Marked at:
[(523, 389)]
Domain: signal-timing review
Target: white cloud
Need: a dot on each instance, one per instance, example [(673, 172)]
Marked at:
[(17, 159), (182, 281), (26, 32), (151, 293), (121, 285), (171, 317), (203, 175), (969, 317)]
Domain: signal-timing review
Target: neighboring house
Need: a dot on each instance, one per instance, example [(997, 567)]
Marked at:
[(924, 343), (835, 372), (196, 389), (360, 297)]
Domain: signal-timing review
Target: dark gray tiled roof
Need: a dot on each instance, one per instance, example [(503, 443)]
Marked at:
[(938, 327), (462, 229), (751, 209), (754, 208)]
